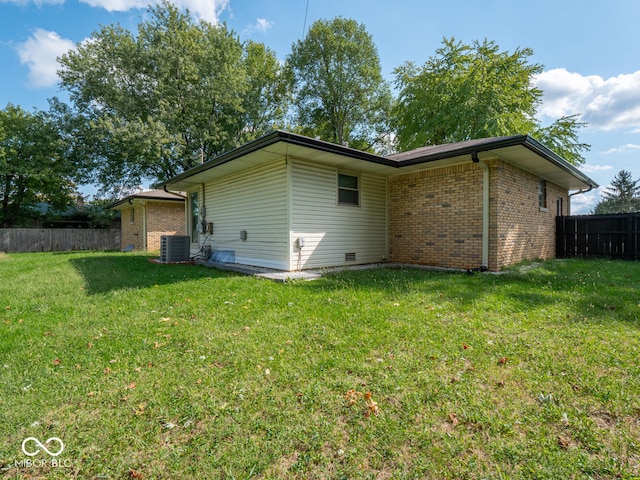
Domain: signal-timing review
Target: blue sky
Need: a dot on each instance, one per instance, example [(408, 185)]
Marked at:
[(590, 50)]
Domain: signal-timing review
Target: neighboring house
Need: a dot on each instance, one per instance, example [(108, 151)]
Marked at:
[(146, 216), (291, 202)]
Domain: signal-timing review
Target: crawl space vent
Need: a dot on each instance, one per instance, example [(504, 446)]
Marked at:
[(350, 257)]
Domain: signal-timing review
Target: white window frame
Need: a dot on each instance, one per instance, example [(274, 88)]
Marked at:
[(348, 189), (542, 195)]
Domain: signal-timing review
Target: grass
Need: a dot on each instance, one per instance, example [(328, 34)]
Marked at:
[(159, 371)]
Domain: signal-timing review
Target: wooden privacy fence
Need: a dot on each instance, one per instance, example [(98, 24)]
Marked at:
[(57, 239), (613, 236)]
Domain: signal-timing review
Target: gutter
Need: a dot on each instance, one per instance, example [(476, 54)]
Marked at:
[(164, 187), (579, 192), (273, 138)]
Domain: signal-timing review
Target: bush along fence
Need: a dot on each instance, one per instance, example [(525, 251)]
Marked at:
[(613, 236), (13, 240)]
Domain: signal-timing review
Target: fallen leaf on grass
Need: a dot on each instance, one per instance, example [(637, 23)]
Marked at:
[(372, 406), (57, 361), (132, 385), (135, 475), (563, 441), (453, 418), (140, 409), (352, 397), (502, 360)]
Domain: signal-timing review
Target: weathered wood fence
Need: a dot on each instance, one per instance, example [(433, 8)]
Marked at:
[(613, 236), (58, 239)]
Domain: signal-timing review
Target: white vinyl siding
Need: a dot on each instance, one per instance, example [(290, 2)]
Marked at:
[(334, 232), (256, 201)]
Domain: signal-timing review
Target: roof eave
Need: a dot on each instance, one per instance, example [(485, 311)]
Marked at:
[(505, 142), (538, 148), (270, 139)]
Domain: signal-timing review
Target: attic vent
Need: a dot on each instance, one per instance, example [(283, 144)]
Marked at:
[(350, 257)]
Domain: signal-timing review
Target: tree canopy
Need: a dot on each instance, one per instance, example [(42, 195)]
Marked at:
[(174, 95), (150, 104), (466, 92), (34, 166), (622, 197), (339, 92)]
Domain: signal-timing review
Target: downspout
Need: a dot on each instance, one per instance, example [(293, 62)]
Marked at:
[(579, 192), (485, 210), (144, 226)]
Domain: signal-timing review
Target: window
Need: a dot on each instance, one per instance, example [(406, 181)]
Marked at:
[(194, 216), (348, 193), (542, 193)]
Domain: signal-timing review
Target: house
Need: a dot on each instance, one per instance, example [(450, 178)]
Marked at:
[(291, 202), (146, 216)]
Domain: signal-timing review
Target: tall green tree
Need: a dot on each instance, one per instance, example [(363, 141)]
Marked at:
[(466, 92), (622, 197), (339, 92), (169, 97), (33, 165)]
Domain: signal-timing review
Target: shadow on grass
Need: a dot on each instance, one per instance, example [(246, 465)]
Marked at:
[(107, 272)]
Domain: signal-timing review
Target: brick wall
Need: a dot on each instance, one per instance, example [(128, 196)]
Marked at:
[(164, 219), (435, 217), (132, 227), (519, 228)]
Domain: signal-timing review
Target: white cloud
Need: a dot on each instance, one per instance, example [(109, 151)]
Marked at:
[(587, 168), (584, 203), (208, 10), (606, 104), (261, 26), (629, 147), (40, 52)]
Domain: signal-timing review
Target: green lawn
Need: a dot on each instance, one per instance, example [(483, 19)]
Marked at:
[(172, 371)]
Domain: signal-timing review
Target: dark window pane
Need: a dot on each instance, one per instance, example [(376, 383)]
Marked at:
[(347, 181), (348, 196)]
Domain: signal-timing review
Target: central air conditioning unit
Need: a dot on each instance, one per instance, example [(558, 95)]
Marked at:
[(175, 248)]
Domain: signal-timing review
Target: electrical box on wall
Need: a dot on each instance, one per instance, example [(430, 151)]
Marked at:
[(210, 227), (243, 234), (300, 242)]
